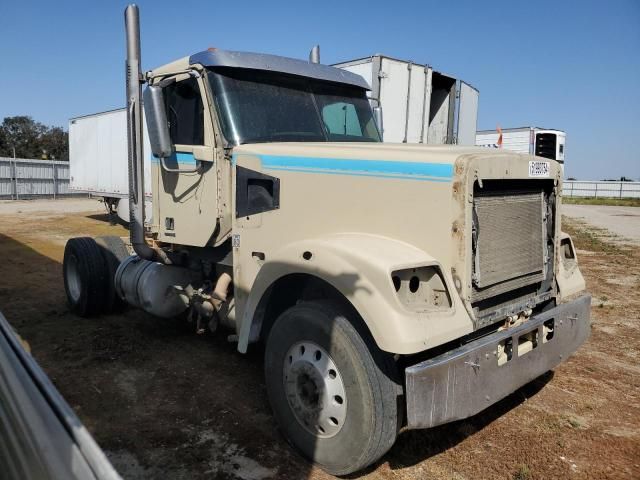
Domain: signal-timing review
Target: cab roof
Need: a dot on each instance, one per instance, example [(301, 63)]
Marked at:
[(260, 61)]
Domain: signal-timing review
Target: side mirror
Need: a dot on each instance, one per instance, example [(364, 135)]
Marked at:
[(157, 124), (377, 117)]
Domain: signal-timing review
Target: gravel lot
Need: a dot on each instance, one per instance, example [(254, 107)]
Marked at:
[(67, 205), (166, 403), (623, 222)]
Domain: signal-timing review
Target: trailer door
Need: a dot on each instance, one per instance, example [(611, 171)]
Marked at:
[(395, 89), (467, 114)]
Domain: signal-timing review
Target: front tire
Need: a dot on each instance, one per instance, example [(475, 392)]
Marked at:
[(332, 391), (85, 276)]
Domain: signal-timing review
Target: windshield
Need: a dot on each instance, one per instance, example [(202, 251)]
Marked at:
[(256, 106)]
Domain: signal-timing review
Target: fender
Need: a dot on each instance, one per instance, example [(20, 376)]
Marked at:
[(359, 266), (569, 278)]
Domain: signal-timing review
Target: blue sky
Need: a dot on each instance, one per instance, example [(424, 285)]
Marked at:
[(555, 64)]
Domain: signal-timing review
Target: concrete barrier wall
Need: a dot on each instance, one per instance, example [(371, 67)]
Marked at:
[(25, 178)]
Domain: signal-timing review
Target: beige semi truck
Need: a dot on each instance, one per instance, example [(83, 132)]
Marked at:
[(394, 286)]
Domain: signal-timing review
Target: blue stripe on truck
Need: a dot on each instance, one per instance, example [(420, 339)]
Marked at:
[(178, 157), (434, 172)]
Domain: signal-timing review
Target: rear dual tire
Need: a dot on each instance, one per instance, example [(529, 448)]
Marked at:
[(88, 269), (113, 252)]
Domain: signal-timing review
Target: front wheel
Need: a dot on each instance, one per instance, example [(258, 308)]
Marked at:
[(333, 392)]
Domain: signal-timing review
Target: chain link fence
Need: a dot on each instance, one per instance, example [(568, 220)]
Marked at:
[(601, 189)]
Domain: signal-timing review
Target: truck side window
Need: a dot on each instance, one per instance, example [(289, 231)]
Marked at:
[(185, 112), (341, 119)]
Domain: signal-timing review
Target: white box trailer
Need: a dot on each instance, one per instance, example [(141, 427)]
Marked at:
[(419, 104), (544, 142), (98, 158)]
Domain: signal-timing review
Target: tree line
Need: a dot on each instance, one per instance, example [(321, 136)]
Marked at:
[(23, 137)]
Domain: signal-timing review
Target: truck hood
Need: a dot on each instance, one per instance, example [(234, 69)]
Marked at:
[(431, 160), (421, 195)]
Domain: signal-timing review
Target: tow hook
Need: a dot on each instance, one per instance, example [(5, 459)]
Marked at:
[(516, 319)]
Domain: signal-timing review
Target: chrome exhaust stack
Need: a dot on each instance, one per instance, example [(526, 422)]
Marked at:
[(134, 135), (314, 54)]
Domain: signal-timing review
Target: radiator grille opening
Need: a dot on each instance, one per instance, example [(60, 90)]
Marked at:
[(512, 245), (509, 249)]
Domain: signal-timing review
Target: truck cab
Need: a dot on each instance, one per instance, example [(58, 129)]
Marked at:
[(216, 101), (392, 285)]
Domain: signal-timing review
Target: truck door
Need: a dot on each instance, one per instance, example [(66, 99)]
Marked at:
[(467, 114), (185, 185)]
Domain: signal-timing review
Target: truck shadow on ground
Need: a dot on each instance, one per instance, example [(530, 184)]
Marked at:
[(415, 446), (196, 405), (162, 401), (111, 219), (26, 287)]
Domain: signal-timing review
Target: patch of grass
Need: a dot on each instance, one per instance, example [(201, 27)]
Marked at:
[(574, 423), (563, 421), (614, 202), (550, 424), (588, 237), (522, 473)]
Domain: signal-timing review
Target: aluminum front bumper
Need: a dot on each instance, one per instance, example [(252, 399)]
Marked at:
[(465, 381)]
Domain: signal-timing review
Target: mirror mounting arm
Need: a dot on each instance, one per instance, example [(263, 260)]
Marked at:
[(164, 166)]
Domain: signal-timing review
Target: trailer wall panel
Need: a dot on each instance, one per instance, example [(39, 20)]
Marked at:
[(414, 108), (98, 154), (516, 141), (364, 69)]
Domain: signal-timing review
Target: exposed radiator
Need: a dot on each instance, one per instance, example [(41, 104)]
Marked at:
[(508, 242)]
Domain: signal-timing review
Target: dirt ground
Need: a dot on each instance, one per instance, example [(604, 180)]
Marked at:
[(166, 403)]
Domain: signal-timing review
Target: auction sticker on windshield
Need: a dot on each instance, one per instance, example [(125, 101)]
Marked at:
[(538, 169)]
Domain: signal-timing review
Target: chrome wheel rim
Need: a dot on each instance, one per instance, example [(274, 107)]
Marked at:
[(315, 389), (73, 278)]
